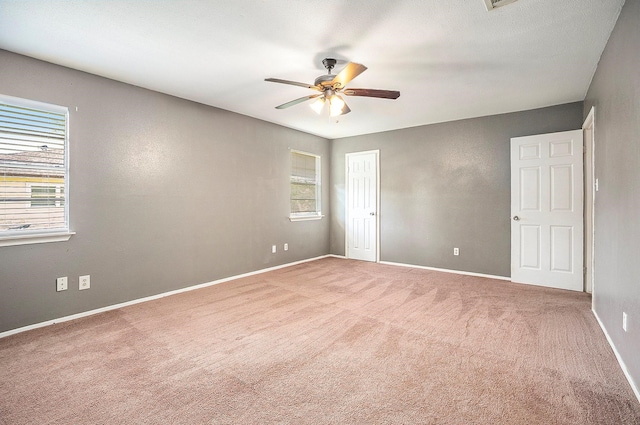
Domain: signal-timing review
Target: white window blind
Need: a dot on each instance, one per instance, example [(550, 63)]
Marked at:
[(305, 185), (33, 167)]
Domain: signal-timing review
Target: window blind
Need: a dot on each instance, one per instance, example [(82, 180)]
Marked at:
[(305, 182), (33, 167)]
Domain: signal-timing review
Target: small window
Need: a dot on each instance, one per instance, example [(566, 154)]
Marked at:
[(43, 196), (33, 170), (305, 186)]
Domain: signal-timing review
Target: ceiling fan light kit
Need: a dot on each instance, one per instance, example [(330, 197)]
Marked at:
[(336, 106), (330, 86), (318, 105)]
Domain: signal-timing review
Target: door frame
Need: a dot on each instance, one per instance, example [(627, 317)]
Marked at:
[(376, 152), (589, 130)]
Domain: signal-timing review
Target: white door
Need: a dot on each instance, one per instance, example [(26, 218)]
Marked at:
[(546, 210), (362, 206)]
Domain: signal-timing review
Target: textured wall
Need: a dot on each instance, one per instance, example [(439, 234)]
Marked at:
[(165, 194), (615, 93), (444, 186)]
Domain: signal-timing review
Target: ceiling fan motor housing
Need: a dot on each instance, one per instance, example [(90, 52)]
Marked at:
[(324, 80)]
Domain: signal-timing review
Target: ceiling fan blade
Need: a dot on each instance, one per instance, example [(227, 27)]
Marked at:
[(293, 83), (295, 102), (385, 94), (351, 71)]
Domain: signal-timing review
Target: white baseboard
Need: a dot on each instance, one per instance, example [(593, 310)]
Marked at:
[(623, 366), (150, 298), (447, 270)]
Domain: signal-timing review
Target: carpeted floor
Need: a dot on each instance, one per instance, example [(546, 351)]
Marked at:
[(331, 341)]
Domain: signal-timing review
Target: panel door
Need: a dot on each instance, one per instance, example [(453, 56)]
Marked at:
[(547, 210), (362, 206)]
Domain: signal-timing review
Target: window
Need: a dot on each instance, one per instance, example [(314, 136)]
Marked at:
[(43, 196), (305, 186), (33, 172)]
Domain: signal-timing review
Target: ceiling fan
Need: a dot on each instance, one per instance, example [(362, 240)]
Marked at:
[(331, 86)]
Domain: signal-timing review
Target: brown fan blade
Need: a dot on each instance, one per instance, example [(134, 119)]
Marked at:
[(385, 94), (293, 83), (351, 71), (295, 102)]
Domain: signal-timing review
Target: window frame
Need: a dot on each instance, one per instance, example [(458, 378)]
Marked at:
[(58, 234), (317, 214)]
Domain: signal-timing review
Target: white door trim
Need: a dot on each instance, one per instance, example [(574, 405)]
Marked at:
[(376, 152), (589, 128)]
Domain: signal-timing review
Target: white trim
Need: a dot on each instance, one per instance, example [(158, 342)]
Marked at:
[(623, 366), (305, 217), (490, 276), (590, 124), (150, 298), (377, 205), (35, 238), (34, 104)]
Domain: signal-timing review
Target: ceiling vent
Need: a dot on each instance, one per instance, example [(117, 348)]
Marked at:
[(492, 4)]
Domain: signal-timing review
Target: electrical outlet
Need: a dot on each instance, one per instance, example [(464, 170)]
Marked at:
[(61, 284), (624, 321), (84, 282), (456, 251), (286, 247), (273, 249)]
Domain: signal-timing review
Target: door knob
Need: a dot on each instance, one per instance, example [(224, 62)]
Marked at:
[(372, 213), (516, 218)]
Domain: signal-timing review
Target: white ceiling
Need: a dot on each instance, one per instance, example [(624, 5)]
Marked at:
[(450, 59)]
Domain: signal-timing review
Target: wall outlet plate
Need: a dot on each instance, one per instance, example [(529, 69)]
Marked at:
[(456, 251), (61, 284), (84, 282), (286, 247)]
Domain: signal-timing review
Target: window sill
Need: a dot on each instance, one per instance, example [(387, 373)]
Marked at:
[(35, 238), (305, 217)]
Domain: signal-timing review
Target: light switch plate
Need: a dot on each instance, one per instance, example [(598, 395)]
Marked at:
[(61, 284)]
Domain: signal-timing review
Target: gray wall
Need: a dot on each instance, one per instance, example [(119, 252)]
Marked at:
[(615, 93), (444, 186), (165, 194)]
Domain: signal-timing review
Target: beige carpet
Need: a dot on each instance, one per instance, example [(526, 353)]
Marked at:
[(327, 342)]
